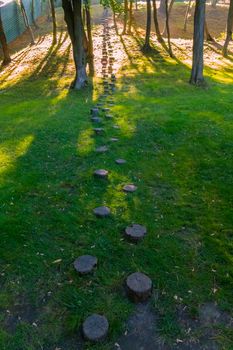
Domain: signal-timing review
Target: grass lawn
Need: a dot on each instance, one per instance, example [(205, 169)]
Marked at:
[(177, 141)]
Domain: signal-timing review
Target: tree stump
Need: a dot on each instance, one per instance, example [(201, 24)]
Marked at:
[(120, 161), (96, 120), (139, 287), (95, 328), (98, 131), (102, 173), (135, 232), (130, 188), (102, 212), (101, 149), (95, 112), (85, 264)]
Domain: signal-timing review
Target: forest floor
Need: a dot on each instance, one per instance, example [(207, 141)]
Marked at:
[(177, 141)]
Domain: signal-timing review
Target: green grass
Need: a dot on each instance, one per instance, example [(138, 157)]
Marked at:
[(177, 141)]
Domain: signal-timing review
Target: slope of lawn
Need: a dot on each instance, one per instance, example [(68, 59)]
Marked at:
[(177, 141)]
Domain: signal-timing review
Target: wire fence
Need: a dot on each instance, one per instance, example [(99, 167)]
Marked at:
[(12, 18)]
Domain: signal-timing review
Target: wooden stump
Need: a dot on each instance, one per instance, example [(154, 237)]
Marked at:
[(139, 287)]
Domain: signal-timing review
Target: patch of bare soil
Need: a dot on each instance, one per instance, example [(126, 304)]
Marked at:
[(199, 333)]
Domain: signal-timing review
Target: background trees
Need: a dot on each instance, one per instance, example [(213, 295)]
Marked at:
[(125, 17), (3, 42)]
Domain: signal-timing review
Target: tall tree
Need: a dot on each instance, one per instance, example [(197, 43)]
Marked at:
[(229, 29), (89, 37), (53, 13), (198, 44), (126, 10), (3, 41), (130, 16), (156, 22), (26, 21), (187, 14), (146, 46), (168, 30), (73, 17), (168, 14)]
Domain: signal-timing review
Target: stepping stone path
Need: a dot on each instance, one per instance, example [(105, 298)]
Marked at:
[(129, 188), (120, 161), (139, 287), (103, 174), (85, 264), (95, 328), (135, 232), (102, 212)]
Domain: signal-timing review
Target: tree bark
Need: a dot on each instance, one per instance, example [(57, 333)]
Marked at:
[(3, 41), (53, 13), (89, 39), (198, 44), (168, 30), (187, 14), (229, 29), (169, 13), (130, 16), (73, 18), (146, 46), (156, 22), (26, 22), (125, 16)]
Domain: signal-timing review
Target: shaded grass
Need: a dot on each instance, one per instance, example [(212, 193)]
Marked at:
[(177, 141)]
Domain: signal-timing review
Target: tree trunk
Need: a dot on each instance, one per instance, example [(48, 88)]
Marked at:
[(89, 39), (207, 33), (156, 22), (130, 16), (115, 22), (198, 44), (136, 5), (33, 14), (214, 3), (73, 18), (162, 7), (3, 41), (169, 13), (229, 29), (168, 30), (187, 15), (146, 46), (26, 22), (53, 13), (125, 16)]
